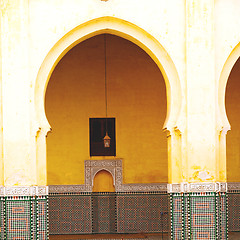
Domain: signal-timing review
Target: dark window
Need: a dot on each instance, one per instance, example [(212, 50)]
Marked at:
[(97, 128)]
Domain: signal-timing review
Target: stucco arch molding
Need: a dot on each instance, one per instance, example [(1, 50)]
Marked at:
[(224, 125), (123, 29)]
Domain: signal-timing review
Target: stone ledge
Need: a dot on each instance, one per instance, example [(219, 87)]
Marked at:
[(138, 187)]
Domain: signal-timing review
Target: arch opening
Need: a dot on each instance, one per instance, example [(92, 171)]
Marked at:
[(233, 113), (92, 28), (160, 60), (228, 111), (136, 99), (232, 99)]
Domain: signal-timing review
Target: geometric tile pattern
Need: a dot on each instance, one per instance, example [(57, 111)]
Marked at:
[(142, 212), (34, 217), (42, 219), (223, 216), (108, 213), (233, 200), (70, 214), (198, 215), (186, 216), (2, 217), (203, 216), (103, 213), (19, 218), (176, 208)]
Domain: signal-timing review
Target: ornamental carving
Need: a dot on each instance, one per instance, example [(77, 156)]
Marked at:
[(67, 188), (233, 186), (197, 187), (92, 167), (114, 167), (24, 191)]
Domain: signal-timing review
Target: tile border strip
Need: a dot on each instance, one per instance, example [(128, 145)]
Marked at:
[(120, 187), (197, 187), (24, 191), (233, 186), (144, 187)]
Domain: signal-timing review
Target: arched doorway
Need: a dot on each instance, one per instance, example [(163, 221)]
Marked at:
[(233, 111), (128, 31), (137, 102), (233, 147)]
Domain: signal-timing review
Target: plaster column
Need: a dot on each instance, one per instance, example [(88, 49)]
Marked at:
[(20, 199), (1, 119), (198, 205)]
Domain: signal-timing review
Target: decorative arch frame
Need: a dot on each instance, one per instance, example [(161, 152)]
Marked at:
[(110, 25), (223, 123), (226, 70), (114, 167)]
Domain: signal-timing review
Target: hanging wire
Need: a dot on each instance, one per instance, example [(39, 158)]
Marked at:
[(105, 54)]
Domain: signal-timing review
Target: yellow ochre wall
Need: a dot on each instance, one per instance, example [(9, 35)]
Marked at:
[(136, 98), (233, 113)]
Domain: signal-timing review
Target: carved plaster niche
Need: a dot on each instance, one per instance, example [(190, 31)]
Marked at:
[(92, 167)]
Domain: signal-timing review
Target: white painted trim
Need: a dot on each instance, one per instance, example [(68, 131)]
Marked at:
[(24, 191)]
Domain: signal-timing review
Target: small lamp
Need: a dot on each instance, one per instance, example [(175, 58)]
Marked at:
[(106, 141)]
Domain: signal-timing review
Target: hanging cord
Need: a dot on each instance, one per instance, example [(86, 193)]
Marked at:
[(105, 54)]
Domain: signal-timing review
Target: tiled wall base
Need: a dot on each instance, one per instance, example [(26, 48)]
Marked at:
[(198, 215), (70, 214), (234, 211), (24, 217), (129, 212), (104, 215), (142, 213)]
